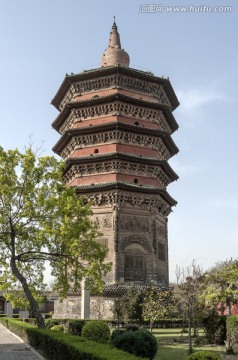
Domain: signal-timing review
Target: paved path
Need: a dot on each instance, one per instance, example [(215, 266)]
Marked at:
[(13, 348)]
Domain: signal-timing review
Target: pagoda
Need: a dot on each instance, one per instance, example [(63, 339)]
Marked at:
[(115, 124)]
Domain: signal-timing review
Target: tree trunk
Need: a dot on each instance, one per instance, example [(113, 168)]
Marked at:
[(190, 348), (34, 306), (195, 330), (228, 307)]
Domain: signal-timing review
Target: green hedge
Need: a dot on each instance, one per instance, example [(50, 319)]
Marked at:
[(60, 346), (204, 355)]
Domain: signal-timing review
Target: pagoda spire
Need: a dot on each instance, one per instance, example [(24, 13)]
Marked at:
[(114, 54), (114, 38)]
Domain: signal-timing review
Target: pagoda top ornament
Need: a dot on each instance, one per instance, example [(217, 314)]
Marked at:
[(114, 54)]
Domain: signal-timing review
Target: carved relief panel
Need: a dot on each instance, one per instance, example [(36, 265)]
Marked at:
[(161, 235)]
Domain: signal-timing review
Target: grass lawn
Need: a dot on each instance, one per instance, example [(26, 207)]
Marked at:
[(170, 349)]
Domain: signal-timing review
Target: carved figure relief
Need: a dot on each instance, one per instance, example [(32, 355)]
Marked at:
[(135, 224), (104, 222)]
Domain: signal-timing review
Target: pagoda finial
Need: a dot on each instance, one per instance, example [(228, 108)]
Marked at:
[(114, 54), (114, 25)]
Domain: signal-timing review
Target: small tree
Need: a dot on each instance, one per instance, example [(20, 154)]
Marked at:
[(157, 304), (41, 219), (132, 305), (187, 295)]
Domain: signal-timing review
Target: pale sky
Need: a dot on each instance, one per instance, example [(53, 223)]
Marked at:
[(41, 41)]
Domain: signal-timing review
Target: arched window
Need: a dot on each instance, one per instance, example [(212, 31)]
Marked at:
[(135, 263), (96, 151), (135, 181)]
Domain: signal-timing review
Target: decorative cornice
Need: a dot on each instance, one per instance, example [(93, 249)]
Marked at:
[(115, 105), (118, 82), (124, 198), (79, 170), (115, 132), (114, 70), (104, 158), (131, 189)]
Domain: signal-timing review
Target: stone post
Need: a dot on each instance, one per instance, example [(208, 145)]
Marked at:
[(85, 302), (9, 310)]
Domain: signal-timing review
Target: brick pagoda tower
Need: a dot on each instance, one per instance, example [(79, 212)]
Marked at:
[(115, 124)]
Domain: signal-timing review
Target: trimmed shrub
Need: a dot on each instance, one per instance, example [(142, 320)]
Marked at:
[(140, 343), (96, 330), (57, 328), (204, 355), (215, 329), (74, 327), (232, 334), (51, 322)]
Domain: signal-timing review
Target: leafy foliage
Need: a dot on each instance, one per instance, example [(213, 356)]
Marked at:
[(41, 219), (221, 286), (96, 330), (140, 343)]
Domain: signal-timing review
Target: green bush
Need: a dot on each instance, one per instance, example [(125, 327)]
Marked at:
[(215, 329), (140, 343), (75, 327), (51, 322), (96, 330), (232, 334), (204, 355), (116, 333), (57, 328)]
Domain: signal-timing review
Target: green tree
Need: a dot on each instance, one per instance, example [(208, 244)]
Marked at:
[(221, 286), (41, 219), (157, 304), (128, 306)]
